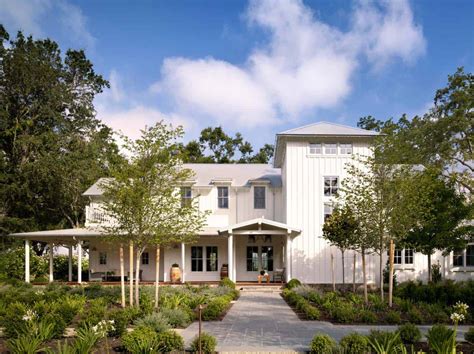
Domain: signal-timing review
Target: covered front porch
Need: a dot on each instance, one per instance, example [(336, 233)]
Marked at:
[(259, 245)]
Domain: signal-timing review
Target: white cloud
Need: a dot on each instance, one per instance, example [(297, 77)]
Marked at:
[(304, 65), (29, 16)]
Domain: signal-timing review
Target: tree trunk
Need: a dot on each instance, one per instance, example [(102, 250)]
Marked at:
[(122, 276), (390, 274), (354, 274), (332, 273), (429, 267), (157, 277), (131, 275), (381, 273), (364, 273), (343, 270), (137, 278)]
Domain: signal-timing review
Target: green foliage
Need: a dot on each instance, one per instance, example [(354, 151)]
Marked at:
[(469, 335), (142, 340), (122, 319), (393, 317), (293, 283), (322, 344), (12, 264), (86, 339), (354, 343), (208, 343), (409, 333), (177, 318), (415, 316), (227, 282), (436, 275), (385, 342), (343, 313), (156, 321), (367, 316), (170, 341), (25, 345), (215, 308), (441, 339)]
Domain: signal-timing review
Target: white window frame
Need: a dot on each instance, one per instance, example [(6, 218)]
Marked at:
[(337, 187), (345, 148), (186, 196), (219, 197), (400, 253), (330, 206), (315, 148), (330, 147), (207, 257), (464, 258)]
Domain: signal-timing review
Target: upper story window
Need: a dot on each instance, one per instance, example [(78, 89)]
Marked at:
[(331, 186), (223, 197), (465, 257), (346, 149), (259, 197), (403, 256), (330, 149), (186, 196), (315, 149)]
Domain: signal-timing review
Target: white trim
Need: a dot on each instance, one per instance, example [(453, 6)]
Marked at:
[(27, 261)]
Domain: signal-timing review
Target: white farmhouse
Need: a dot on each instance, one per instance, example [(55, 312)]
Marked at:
[(263, 217)]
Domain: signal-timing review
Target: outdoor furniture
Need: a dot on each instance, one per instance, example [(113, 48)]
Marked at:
[(140, 275), (96, 276), (266, 276), (279, 275)]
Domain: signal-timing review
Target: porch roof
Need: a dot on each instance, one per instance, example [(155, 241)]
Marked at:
[(260, 226)]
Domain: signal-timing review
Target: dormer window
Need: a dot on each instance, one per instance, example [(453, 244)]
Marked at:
[(315, 149), (223, 197), (330, 149), (346, 149)]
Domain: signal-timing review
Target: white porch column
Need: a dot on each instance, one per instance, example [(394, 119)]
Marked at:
[(288, 257), (230, 255), (183, 262), (234, 261), (27, 261), (69, 275), (79, 262), (51, 259)]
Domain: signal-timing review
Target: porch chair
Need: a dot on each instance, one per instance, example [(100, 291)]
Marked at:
[(96, 276), (279, 275)]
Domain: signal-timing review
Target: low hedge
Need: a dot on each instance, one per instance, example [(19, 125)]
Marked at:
[(301, 304), (216, 307)]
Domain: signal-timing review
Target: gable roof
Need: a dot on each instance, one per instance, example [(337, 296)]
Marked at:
[(318, 129), (328, 129)]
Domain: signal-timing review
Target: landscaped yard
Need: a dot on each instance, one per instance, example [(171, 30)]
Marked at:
[(38, 317)]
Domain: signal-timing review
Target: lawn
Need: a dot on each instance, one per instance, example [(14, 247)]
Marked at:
[(35, 317)]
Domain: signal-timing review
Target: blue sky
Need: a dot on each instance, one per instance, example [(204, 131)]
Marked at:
[(257, 67)]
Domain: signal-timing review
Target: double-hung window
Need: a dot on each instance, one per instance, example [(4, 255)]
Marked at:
[(330, 149), (102, 258), (211, 259), (259, 197), (315, 149), (402, 256), (346, 149), (328, 209), (223, 197), (196, 259), (331, 186), (145, 258), (465, 257), (186, 196)]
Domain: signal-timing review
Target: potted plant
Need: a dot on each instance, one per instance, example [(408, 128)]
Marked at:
[(224, 271), (175, 274)]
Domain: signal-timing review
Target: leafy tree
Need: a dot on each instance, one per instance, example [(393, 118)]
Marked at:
[(51, 145), (143, 197), (442, 226), (340, 229)]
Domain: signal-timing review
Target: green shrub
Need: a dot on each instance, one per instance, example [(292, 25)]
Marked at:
[(13, 320), (415, 316), (354, 343), (215, 308), (25, 344), (343, 313), (393, 317), (169, 341), (367, 316), (385, 342), (409, 333), (469, 335), (155, 321), (86, 339), (322, 344), (121, 320), (441, 339), (293, 283), (311, 312), (208, 343), (176, 317), (377, 302), (227, 283), (58, 324), (143, 340)]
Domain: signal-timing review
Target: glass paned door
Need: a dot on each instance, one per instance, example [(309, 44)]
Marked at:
[(267, 258), (252, 259)]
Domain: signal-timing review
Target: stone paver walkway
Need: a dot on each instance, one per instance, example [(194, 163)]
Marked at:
[(263, 322)]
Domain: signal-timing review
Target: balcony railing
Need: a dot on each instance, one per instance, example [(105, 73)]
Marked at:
[(95, 215)]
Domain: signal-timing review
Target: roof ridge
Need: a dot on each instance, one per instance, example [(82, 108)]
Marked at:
[(324, 122)]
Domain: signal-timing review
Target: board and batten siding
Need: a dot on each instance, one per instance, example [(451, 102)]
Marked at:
[(303, 175)]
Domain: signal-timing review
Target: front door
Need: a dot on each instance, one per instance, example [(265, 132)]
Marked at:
[(259, 258)]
